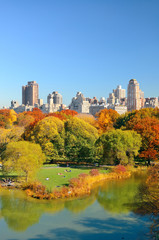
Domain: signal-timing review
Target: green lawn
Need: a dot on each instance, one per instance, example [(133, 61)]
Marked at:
[(51, 172), (59, 180)]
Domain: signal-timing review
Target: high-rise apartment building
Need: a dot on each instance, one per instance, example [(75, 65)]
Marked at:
[(116, 96), (135, 96), (119, 92), (30, 93)]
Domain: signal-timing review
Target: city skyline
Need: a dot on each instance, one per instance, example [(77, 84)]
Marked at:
[(45, 99), (70, 46)]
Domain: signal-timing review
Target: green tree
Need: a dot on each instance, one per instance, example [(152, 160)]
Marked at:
[(23, 157), (12, 134), (119, 147), (79, 139), (49, 133)]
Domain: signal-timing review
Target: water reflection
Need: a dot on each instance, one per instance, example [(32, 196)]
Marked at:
[(20, 212), (116, 196), (147, 203), (78, 205)]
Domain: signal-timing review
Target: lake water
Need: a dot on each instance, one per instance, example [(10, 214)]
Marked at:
[(105, 214)]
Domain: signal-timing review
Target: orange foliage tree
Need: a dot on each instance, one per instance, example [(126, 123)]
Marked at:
[(57, 115), (124, 119), (37, 114), (24, 119), (106, 119), (149, 130), (69, 112), (63, 115), (7, 117)]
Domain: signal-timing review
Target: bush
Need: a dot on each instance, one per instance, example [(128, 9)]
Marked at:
[(94, 172), (36, 189), (119, 169), (83, 175), (75, 182)]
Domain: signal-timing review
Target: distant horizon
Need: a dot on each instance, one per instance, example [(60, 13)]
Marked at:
[(69, 46)]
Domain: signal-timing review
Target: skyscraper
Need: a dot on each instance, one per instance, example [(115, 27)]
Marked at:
[(134, 96), (119, 92), (116, 96), (30, 93)]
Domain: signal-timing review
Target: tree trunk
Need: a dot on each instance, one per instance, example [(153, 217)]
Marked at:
[(148, 162)]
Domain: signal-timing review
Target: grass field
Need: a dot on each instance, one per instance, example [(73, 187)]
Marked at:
[(51, 172), (59, 180)]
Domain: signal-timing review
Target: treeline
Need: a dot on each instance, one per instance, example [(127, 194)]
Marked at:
[(109, 138)]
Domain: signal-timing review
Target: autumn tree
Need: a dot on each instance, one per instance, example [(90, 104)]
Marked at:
[(37, 114), (57, 115), (23, 157), (4, 121), (124, 119), (24, 119), (49, 133), (87, 118), (119, 147), (106, 119), (79, 140), (69, 112), (7, 117), (148, 128), (12, 134)]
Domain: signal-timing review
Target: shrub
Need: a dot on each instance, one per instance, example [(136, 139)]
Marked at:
[(75, 182), (94, 172), (119, 169), (83, 175), (36, 189)]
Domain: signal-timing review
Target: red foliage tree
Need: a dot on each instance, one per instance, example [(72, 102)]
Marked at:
[(37, 114), (58, 115), (149, 130)]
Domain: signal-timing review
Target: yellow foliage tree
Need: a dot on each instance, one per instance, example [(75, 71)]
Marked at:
[(12, 116), (106, 119), (23, 157), (87, 118)]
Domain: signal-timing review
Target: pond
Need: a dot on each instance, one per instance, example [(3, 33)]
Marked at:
[(106, 214)]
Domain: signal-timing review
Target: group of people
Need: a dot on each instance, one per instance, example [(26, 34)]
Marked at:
[(59, 174)]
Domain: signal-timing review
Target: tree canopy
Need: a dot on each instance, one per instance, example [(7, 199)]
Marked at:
[(106, 119), (49, 133), (23, 157), (119, 146), (7, 118), (79, 139)]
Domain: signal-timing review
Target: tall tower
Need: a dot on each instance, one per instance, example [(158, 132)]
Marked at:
[(134, 95), (119, 92), (30, 93)]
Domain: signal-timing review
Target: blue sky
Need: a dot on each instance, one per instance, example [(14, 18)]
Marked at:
[(78, 45)]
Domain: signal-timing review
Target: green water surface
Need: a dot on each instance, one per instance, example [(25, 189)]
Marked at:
[(108, 213)]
